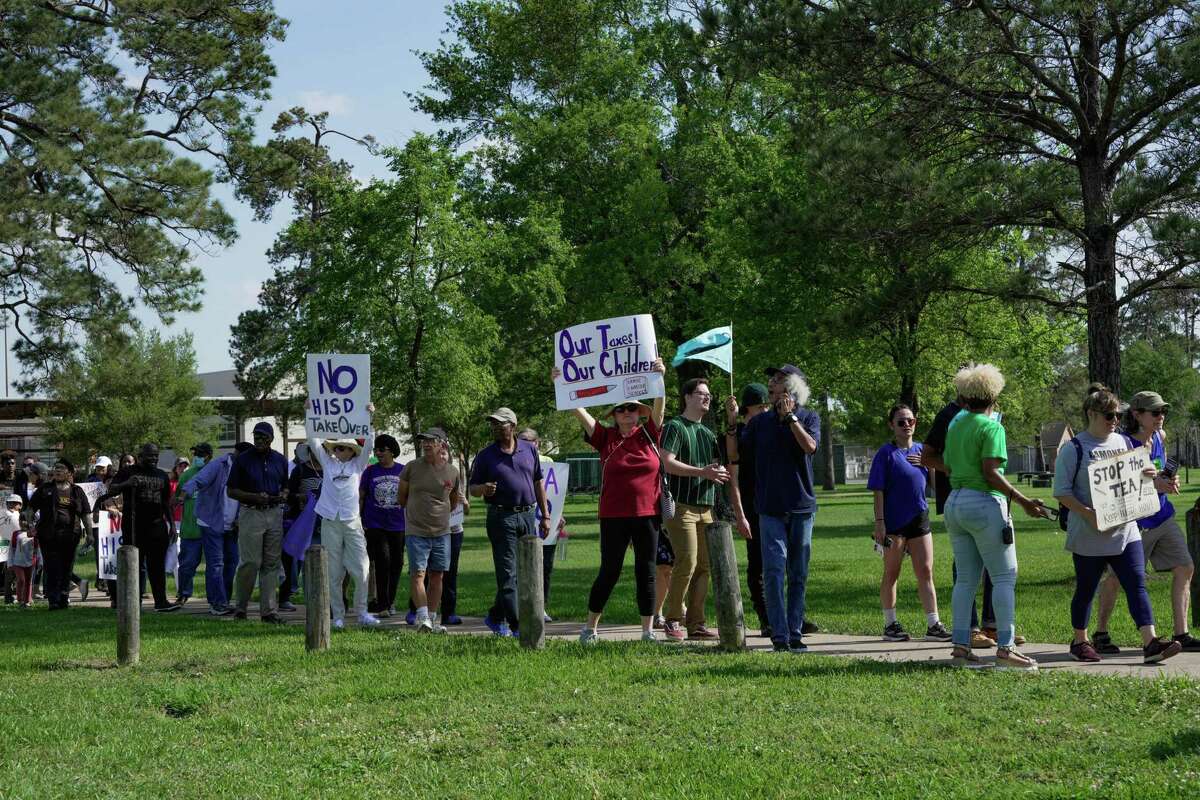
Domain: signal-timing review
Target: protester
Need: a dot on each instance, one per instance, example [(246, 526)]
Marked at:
[(303, 479), (507, 474), (10, 528), (898, 482), (216, 518), (450, 580), (62, 510), (780, 445), (22, 557), (1163, 543), (741, 493), (8, 476), (383, 518), (342, 464), (101, 471), (291, 510), (145, 492), (977, 518), (1091, 549), (689, 451), (36, 473), (664, 567), (258, 481), (548, 550), (630, 486), (429, 490), (191, 546)]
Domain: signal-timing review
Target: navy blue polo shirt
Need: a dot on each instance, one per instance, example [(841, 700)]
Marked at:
[(254, 472), (514, 473), (783, 471)]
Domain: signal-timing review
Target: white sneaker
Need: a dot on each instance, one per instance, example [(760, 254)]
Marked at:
[(368, 619), (439, 628), (339, 624), (648, 636), (424, 625), (546, 617), (587, 636)]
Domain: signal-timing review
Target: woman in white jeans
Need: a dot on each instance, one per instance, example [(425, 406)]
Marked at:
[(343, 462), (977, 515)]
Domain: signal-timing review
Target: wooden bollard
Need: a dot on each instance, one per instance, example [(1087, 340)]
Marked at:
[(1193, 544), (316, 599), (727, 587), (531, 605), (129, 606)]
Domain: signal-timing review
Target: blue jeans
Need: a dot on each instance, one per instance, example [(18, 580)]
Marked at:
[(503, 530), (786, 543), (220, 561), (975, 521), (190, 551)]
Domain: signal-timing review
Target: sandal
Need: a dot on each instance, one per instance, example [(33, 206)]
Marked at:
[(1008, 658), (961, 656)]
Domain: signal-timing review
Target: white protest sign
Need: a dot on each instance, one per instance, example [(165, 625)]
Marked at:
[(339, 389), (5, 541), (554, 479), (607, 361), (92, 491), (108, 539), (458, 516), (1120, 492)]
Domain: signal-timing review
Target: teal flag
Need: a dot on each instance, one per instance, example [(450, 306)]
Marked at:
[(715, 347)]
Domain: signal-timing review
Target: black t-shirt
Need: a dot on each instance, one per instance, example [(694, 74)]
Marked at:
[(148, 494), (936, 438), (59, 512)]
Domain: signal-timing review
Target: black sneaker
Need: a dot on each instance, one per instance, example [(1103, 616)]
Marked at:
[(937, 633), (1104, 644), (168, 608), (239, 614), (779, 647), (1189, 643), (1160, 649), (810, 627), (273, 619), (797, 646), (895, 633)]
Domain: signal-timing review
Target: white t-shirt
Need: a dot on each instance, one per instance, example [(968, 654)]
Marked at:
[(340, 479)]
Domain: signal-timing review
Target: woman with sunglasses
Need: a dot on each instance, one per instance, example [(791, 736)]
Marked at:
[(898, 482), (629, 491), (1092, 549)]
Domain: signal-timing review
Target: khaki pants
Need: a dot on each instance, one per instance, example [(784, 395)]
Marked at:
[(689, 576), (260, 542), (346, 548)]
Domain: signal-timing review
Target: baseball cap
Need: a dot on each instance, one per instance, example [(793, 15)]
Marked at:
[(503, 414), (1148, 401), (786, 369), (433, 433)]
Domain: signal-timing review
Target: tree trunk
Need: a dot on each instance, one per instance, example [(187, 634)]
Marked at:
[(830, 479)]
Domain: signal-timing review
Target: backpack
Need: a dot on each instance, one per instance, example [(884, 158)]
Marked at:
[(1063, 511)]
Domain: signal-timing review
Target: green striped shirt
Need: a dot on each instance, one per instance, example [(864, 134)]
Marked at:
[(693, 444)]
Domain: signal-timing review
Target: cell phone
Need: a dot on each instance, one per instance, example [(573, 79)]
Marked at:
[(1050, 513), (1169, 470), (1006, 535)]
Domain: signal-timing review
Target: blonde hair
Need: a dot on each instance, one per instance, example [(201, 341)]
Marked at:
[(979, 384)]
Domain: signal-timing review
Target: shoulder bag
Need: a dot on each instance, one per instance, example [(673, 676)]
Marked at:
[(666, 503)]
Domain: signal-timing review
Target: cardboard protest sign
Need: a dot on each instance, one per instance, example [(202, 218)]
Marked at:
[(554, 479), (607, 361), (92, 491), (108, 539), (1120, 492), (339, 389)]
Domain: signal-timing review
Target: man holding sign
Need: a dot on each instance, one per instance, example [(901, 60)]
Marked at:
[(1095, 476)]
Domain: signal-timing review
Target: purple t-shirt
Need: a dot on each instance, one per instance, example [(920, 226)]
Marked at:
[(513, 473), (902, 484), (381, 506)]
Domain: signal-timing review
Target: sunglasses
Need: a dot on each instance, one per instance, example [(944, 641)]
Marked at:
[(1108, 415), (338, 447), (1154, 412), (907, 422), (626, 408)]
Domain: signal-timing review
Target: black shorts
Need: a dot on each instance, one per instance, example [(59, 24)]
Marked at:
[(918, 527), (665, 557)]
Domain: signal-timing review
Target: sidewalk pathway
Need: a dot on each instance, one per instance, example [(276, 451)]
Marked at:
[(1049, 656)]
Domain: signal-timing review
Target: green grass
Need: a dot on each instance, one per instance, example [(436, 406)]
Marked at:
[(220, 709)]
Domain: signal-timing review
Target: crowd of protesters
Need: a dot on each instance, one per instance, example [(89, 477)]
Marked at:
[(660, 483)]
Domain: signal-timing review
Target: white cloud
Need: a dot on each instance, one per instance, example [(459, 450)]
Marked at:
[(317, 101)]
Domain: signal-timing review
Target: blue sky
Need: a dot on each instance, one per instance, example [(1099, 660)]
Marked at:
[(353, 58)]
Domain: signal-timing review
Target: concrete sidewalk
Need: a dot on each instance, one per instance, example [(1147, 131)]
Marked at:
[(1049, 656)]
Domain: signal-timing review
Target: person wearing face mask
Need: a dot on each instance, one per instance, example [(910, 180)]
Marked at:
[(146, 519), (62, 509), (191, 547), (1092, 549), (343, 462)]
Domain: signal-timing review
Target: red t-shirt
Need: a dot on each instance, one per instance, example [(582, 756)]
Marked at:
[(629, 483)]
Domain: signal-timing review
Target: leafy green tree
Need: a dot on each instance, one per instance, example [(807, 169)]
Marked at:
[(104, 108), (1083, 114), (115, 396)]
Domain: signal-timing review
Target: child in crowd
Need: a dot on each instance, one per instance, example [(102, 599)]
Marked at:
[(22, 550)]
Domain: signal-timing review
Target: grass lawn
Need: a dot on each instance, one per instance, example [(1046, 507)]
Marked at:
[(219, 709)]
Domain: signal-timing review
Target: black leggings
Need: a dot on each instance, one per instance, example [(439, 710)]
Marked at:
[(615, 535), (1130, 569), (386, 550)]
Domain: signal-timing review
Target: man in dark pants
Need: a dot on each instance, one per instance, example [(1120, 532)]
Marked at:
[(62, 508), (741, 493), (146, 514), (258, 481), (507, 474)]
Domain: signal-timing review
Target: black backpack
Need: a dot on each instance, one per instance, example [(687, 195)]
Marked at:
[(1063, 511)]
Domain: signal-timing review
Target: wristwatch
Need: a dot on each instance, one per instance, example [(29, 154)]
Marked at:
[(791, 418)]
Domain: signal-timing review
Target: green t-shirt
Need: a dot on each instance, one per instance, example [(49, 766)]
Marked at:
[(188, 527), (970, 439), (692, 443)]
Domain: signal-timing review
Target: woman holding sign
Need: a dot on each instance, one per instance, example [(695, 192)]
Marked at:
[(1093, 549), (630, 467)]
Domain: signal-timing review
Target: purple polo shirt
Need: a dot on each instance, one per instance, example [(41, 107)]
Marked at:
[(514, 473)]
